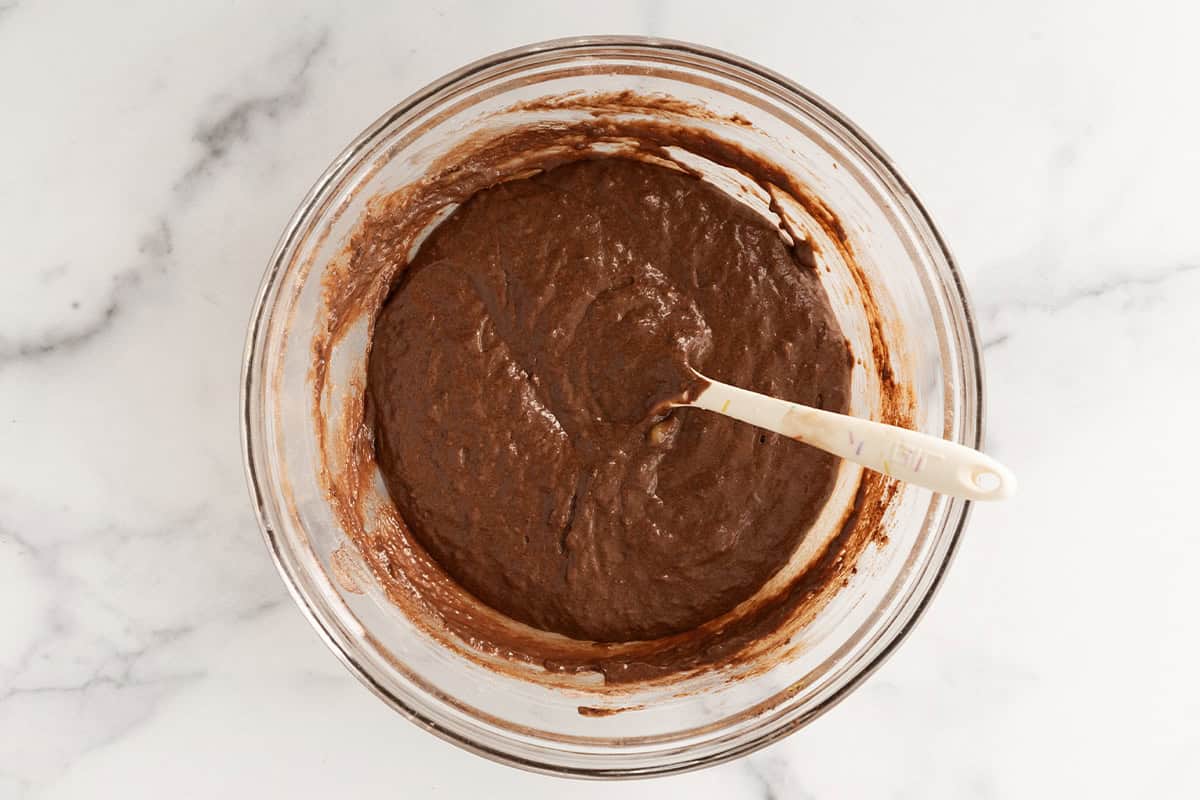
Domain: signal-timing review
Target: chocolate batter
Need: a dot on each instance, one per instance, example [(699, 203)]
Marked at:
[(517, 381)]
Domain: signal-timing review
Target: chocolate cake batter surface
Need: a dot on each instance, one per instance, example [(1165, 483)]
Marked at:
[(516, 383)]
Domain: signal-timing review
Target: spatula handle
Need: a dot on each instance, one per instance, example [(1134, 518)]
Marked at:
[(917, 458)]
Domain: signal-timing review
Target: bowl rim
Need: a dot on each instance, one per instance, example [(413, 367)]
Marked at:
[(254, 460)]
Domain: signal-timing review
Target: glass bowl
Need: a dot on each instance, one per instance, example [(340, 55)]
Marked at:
[(582, 729)]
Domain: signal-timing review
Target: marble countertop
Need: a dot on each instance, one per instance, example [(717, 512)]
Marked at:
[(152, 152)]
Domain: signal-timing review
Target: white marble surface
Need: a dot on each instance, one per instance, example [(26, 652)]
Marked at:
[(151, 152)]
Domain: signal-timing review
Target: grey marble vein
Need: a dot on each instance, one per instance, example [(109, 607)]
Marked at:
[(54, 272), (1068, 299), (65, 339), (770, 771), (51, 559), (760, 778), (155, 248), (108, 679), (235, 124), (122, 681), (1119, 284), (158, 244), (996, 341), (129, 706), (49, 671)]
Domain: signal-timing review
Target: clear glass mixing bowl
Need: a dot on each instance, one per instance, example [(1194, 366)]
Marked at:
[(661, 729)]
